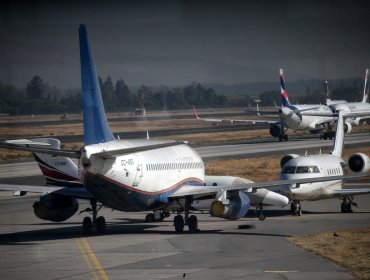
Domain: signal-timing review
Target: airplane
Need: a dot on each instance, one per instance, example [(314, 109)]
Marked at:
[(355, 107), (296, 167), (62, 171), (131, 175), (298, 117)]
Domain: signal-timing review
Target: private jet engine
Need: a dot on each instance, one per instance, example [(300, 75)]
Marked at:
[(347, 127), (230, 206), (359, 163), (55, 208), (287, 158), (276, 129)]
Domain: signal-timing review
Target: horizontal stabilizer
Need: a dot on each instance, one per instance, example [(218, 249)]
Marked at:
[(37, 149)]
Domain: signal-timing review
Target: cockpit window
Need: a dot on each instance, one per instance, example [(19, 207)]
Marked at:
[(300, 169), (289, 170)]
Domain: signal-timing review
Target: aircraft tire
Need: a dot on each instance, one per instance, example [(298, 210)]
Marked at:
[(87, 225), (150, 218), (100, 225), (261, 217), (193, 223), (179, 223)]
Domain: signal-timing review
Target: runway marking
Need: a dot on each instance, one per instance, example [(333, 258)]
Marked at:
[(91, 260), (279, 271)]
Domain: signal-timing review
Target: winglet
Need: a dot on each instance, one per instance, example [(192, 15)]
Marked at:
[(366, 87), (284, 94), (195, 113), (96, 127)]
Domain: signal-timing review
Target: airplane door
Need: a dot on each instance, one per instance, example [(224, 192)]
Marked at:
[(139, 173)]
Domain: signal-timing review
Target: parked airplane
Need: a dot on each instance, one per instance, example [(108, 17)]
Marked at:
[(298, 117), (355, 107), (296, 167), (132, 175), (62, 171)]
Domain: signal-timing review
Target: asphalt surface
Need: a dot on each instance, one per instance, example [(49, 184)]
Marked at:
[(131, 249)]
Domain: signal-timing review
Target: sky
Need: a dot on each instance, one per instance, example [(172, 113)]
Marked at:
[(176, 42)]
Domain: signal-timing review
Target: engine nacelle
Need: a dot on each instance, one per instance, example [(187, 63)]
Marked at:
[(232, 206), (359, 163), (287, 158), (276, 129), (347, 127), (55, 208)]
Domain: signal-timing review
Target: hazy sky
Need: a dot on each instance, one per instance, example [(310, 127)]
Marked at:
[(177, 42)]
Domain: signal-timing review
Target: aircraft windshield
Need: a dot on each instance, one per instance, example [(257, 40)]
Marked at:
[(300, 169)]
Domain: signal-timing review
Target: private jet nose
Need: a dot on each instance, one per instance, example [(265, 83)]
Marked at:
[(275, 199)]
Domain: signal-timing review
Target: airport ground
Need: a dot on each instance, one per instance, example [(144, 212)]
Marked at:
[(132, 249)]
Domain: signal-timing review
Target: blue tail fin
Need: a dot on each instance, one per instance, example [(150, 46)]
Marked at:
[(284, 95), (96, 127)]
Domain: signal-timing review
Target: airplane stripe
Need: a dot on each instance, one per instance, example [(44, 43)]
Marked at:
[(187, 180), (55, 174)]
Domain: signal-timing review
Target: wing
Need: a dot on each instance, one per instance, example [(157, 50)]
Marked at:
[(199, 191), (78, 192), (350, 192), (231, 120)]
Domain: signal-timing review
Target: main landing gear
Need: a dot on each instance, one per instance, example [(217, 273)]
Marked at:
[(295, 208), (98, 222), (191, 221), (328, 133), (259, 210), (346, 206), (283, 135)]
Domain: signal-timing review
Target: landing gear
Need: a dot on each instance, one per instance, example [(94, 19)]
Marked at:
[(98, 222), (346, 206), (329, 133), (259, 209), (296, 208), (191, 221), (283, 135), (157, 216)]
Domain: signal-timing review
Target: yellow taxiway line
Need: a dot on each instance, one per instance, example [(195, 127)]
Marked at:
[(91, 260)]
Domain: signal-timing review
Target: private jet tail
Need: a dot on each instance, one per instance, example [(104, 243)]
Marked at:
[(366, 87), (96, 127), (339, 136), (284, 95), (57, 170)]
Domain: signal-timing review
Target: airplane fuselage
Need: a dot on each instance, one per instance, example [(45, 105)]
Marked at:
[(310, 167), (142, 180), (293, 118), (354, 107)]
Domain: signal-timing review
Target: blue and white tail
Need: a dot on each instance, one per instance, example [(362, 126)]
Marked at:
[(57, 170), (96, 127), (284, 95), (366, 87)]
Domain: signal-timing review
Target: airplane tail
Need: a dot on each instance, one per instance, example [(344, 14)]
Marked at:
[(326, 89), (339, 136), (284, 95), (57, 170), (366, 87), (96, 127)]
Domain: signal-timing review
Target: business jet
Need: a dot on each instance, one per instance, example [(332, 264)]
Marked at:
[(131, 175), (296, 167), (355, 107), (298, 117)]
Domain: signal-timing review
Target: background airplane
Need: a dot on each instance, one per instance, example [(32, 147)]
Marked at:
[(133, 175), (354, 107), (312, 117), (295, 167)]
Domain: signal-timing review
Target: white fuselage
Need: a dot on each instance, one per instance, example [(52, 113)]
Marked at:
[(293, 118), (354, 107), (310, 167), (142, 180)]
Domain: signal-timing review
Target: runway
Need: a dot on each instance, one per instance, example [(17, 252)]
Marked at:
[(36, 249)]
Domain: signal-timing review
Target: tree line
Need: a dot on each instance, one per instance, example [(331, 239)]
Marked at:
[(38, 97)]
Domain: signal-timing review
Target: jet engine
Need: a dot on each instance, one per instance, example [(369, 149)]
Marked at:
[(230, 206), (276, 129), (287, 158), (359, 163), (55, 208), (347, 127)]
